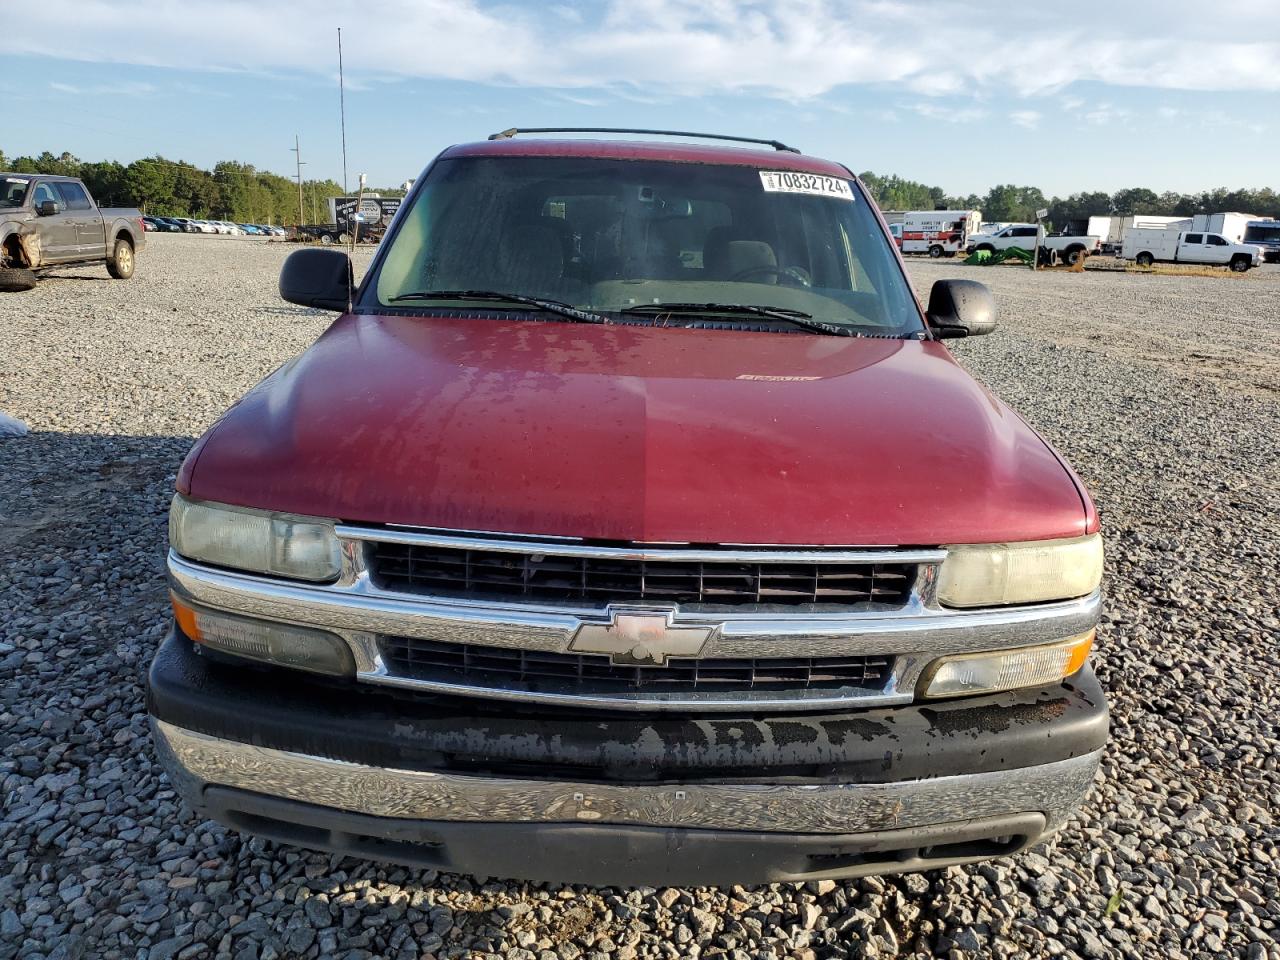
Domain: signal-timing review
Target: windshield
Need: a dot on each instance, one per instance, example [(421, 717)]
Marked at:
[(609, 236), (13, 191), (1263, 234)]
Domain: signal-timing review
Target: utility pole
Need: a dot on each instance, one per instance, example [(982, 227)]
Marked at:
[(297, 148)]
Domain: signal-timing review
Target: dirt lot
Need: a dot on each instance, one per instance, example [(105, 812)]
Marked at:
[(1163, 391)]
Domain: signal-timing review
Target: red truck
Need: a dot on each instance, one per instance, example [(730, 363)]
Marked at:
[(632, 524)]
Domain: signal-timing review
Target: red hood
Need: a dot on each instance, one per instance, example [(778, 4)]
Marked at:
[(637, 433)]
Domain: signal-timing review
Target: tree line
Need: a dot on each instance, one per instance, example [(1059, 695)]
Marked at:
[(245, 194), (1009, 202), (173, 188)]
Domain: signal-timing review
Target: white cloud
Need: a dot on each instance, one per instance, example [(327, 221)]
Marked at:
[(1026, 118), (1104, 113), (947, 114), (788, 49), (126, 89)]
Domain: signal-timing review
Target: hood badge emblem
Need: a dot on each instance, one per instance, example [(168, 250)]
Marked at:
[(640, 637)]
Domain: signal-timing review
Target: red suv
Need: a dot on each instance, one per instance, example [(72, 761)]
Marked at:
[(632, 525)]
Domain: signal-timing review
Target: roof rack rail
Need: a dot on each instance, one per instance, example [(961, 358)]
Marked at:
[(508, 134)]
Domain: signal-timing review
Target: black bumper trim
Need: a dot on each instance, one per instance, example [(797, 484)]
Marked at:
[(291, 711), (613, 855)]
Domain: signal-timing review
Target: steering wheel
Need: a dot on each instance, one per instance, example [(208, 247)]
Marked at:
[(798, 275)]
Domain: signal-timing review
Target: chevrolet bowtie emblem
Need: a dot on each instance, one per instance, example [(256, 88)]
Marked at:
[(640, 637)]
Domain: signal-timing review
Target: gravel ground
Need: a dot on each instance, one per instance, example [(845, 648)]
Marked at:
[(1163, 391)]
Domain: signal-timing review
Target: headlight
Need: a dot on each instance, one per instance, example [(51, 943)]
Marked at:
[(996, 670), (254, 540), (986, 575), (286, 645)]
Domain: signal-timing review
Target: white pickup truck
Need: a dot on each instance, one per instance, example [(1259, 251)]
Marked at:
[(1145, 247), (1023, 235)]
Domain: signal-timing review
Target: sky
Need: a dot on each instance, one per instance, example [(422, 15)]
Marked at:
[(1179, 95)]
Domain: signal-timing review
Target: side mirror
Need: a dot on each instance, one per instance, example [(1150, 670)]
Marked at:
[(317, 278), (48, 208), (961, 308)]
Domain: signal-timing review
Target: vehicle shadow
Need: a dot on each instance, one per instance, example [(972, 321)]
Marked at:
[(46, 276), (291, 311)]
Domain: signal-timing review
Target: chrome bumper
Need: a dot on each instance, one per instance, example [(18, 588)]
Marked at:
[(195, 761), (359, 611)]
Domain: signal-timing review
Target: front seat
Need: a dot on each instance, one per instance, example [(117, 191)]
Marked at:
[(724, 257)]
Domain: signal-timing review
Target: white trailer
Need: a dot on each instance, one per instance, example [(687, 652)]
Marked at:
[(1146, 246), (1230, 225), (939, 232)]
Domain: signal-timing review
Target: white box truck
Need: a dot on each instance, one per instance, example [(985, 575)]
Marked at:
[(1145, 247), (938, 232), (1230, 226)]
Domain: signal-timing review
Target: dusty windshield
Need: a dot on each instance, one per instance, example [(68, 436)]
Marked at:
[(13, 191), (1264, 233), (624, 236)]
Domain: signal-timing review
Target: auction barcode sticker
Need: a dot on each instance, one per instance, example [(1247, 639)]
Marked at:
[(785, 181)]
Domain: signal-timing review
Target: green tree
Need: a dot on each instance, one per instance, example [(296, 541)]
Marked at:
[(1010, 203), (1135, 200), (1079, 206), (106, 182), (150, 185)]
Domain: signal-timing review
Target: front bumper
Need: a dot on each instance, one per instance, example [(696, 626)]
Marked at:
[(622, 799)]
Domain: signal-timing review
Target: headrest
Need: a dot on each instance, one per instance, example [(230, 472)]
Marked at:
[(742, 256)]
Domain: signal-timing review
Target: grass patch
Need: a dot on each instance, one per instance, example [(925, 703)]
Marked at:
[(1187, 270)]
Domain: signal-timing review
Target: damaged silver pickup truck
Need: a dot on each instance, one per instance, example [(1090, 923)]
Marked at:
[(48, 221)]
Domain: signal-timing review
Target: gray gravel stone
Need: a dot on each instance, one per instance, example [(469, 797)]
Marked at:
[(1164, 393)]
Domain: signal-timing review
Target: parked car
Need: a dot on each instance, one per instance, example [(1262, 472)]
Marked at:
[(149, 224), (48, 221), (636, 527), (1023, 235), (1145, 247), (167, 225), (251, 230)]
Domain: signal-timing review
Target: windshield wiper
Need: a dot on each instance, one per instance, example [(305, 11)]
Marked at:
[(796, 317), (558, 307)]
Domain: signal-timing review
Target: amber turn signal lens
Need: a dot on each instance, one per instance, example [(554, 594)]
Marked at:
[(186, 618), (992, 671), (268, 641)]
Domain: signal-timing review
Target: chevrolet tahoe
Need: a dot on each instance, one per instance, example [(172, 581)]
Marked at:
[(632, 524)]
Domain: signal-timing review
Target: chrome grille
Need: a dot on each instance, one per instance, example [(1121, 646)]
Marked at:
[(465, 572), (591, 674)]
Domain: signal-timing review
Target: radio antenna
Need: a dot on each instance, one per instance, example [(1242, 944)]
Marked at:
[(342, 112)]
